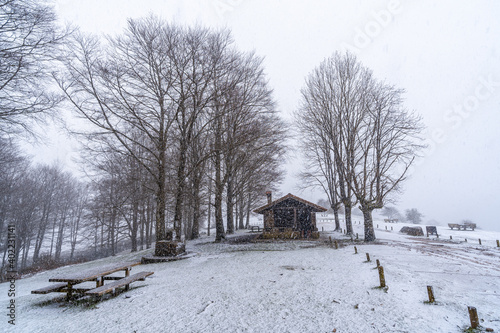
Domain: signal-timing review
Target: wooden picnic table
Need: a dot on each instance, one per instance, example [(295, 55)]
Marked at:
[(99, 274), (463, 226)]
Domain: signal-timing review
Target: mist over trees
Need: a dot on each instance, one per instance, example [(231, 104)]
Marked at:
[(392, 213), (179, 127), (413, 215), (359, 140)]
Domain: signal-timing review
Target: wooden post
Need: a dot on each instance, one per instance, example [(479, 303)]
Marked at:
[(451, 237), (381, 276), (498, 243), (355, 250), (385, 227), (322, 229), (336, 245), (430, 292), (367, 256), (345, 231), (356, 236), (69, 291), (479, 241), (378, 263), (474, 321), (330, 237), (391, 229), (466, 240)]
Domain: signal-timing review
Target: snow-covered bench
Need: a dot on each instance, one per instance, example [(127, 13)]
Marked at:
[(66, 283), (50, 289), (122, 282)]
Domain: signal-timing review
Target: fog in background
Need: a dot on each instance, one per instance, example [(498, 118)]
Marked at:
[(445, 54)]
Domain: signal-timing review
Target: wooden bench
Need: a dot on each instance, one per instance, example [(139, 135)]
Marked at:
[(123, 282), (50, 289), (464, 226), (469, 225), (66, 283), (431, 230), (253, 227)]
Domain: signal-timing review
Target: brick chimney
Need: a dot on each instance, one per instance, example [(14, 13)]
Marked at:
[(269, 197)]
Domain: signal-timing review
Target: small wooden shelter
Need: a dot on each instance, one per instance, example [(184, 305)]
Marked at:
[(289, 213)]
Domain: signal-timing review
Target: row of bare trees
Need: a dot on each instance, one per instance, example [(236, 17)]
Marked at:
[(29, 42), (44, 203), (59, 219), (180, 130), (359, 140), (192, 113)]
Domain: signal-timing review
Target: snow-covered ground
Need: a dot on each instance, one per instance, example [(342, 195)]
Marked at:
[(292, 286)]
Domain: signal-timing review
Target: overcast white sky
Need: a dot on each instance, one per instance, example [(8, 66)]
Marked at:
[(446, 54)]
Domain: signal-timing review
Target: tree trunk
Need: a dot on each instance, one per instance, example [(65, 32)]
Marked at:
[(142, 222), (219, 185), (219, 224), (348, 218), (74, 234), (209, 204), (135, 225), (111, 233), (369, 231), (249, 202), (161, 205), (161, 192), (241, 211), (230, 205), (180, 193), (336, 216), (195, 229), (60, 235)]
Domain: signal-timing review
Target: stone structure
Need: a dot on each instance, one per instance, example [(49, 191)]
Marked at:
[(166, 248), (290, 214), (412, 231)]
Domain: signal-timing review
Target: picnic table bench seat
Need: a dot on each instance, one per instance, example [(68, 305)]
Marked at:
[(123, 282), (253, 227), (50, 289)]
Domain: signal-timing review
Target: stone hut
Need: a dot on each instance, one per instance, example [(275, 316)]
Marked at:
[(289, 214)]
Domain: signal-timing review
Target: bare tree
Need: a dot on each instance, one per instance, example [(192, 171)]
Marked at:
[(49, 179), (373, 138), (129, 88), (29, 40), (331, 97), (387, 144), (391, 212), (245, 122), (320, 167)]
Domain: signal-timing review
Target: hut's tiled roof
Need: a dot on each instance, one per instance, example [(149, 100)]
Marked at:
[(315, 207)]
